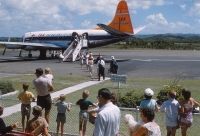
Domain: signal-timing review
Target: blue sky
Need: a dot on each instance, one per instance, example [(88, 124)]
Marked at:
[(159, 16)]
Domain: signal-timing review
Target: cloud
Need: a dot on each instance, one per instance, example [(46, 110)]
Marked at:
[(197, 20), (24, 15), (4, 16), (157, 23), (145, 4), (86, 7), (77, 6), (179, 24), (183, 6), (33, 6), (195, 9), (20, 16), (86, 24), (157, 19), (107, 7)]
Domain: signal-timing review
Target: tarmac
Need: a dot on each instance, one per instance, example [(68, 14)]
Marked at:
[(134, 63)]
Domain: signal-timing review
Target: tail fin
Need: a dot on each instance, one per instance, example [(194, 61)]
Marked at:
[(122, 21)]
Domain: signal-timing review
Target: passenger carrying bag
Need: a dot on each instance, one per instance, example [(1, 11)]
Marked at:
[(92, 117)]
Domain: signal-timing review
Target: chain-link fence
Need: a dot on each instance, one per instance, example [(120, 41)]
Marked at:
[(72, 122)]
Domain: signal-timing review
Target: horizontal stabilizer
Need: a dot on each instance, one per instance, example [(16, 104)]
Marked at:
[(139, 29), (112, 31)]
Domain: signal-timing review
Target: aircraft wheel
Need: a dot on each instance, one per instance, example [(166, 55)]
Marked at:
[(30, 55)]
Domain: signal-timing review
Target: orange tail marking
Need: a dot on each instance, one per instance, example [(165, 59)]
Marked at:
[(122, 21)]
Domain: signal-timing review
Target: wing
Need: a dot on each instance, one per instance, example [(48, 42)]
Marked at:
[(28, 45)]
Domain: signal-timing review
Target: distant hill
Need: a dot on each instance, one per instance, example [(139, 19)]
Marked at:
[(191, 38)]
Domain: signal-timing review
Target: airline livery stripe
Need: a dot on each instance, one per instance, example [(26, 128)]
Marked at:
[(122, 13)]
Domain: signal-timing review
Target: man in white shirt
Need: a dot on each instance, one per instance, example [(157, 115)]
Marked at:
[(108, 118), (60, 56), (43, 88), (101, 68)]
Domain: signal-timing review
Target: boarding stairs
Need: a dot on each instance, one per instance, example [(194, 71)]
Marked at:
[(68, 51), (71, 53)]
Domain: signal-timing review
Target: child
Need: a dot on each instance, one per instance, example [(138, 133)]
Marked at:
[(38, 125), (3, 128), (48, 74), (61, 116), (171, 109), (26, 98), (83, 114)]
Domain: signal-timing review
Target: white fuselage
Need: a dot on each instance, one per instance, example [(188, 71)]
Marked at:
[(62, 38)]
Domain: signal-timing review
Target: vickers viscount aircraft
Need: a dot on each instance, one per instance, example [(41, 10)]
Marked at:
[(120, 28)]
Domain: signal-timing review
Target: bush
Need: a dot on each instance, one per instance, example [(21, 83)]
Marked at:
[(163, 94), (130, 99), (6, 87)]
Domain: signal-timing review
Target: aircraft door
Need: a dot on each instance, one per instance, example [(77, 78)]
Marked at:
[(74, 36), (85, 40)]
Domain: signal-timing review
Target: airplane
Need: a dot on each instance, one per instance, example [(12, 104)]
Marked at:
[(119, 29)]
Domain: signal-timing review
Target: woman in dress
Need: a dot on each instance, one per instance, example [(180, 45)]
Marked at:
[(148, 126), (187, 105)]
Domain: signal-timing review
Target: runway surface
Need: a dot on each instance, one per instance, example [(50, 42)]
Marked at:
[(139, 63)]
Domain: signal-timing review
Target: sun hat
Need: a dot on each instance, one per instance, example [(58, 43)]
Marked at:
[(148, 92)]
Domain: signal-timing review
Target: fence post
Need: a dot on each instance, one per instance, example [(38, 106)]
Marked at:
[(137, 113), (1, 98), (118, 85)]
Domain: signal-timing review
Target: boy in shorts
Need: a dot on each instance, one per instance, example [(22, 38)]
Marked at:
[(62, 107), (26, 98), (83, 114)]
